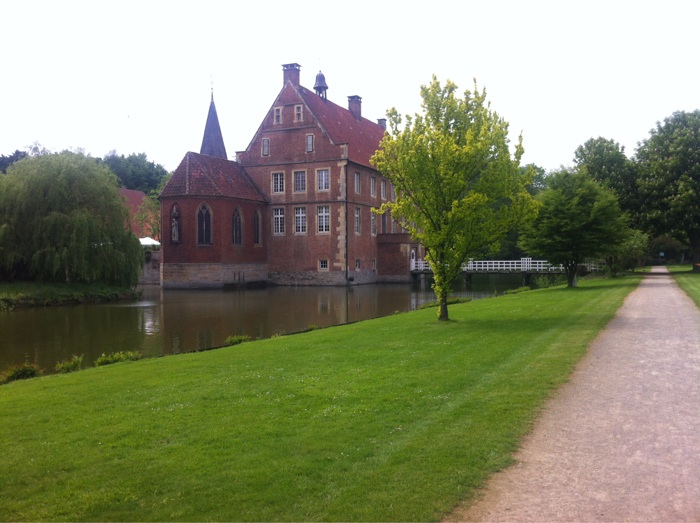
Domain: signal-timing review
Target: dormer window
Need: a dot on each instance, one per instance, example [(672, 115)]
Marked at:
[(309, 143), (277, 115), (298, 113)]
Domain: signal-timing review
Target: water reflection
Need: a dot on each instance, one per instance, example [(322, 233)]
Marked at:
[(175, 321)]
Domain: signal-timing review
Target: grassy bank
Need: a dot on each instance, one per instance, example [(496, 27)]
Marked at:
[(687, 280), (31, 294), (391, 419)]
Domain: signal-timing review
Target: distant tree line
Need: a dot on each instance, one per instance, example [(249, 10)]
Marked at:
[(657, 190)]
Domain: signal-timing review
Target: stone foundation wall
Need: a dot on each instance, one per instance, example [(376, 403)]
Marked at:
[(334, 278), (150, 275), (212, 275), (328, 278)]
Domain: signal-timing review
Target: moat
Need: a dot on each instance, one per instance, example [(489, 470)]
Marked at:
[(166, 322)]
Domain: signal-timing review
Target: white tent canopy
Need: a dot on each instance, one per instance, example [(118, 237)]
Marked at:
[(148, 242)]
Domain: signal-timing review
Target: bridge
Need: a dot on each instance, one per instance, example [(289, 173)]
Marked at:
[(523, 265)]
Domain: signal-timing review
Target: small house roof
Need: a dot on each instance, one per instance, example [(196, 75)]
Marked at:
[(201, 175), (133, 200)]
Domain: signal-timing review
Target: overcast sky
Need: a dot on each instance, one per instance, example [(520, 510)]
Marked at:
[(136, 76)]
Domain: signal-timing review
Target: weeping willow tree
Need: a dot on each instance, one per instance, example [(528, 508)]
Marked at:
[(62, 218), (459, 190)]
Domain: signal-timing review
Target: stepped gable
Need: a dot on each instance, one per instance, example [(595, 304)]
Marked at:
[(207, 176), (362, 135)]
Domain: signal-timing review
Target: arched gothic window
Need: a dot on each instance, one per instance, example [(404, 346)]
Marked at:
[(204, 225), (237, 227), (257, 228)]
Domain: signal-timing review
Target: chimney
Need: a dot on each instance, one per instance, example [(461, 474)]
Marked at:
[(382, 123), (355, 106), (291, 74)]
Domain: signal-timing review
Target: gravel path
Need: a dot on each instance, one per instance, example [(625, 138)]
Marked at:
[(621, 440)]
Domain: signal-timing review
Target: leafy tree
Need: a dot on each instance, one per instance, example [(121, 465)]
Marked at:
[(539, 181), (510, 248), (136, 172), (627, 254), (63, 219), (669, 179), (6, 161), (458, 189), (606, 162), (579, 219)]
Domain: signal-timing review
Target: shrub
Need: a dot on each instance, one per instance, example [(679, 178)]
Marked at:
[(23, 371), (516, 291), (71, 365), (543, 281), (116, 357), (237, 340)]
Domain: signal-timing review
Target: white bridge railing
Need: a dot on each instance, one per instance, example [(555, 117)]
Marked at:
[(521, 265)]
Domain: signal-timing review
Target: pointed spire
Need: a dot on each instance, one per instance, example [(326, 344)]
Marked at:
[(213, 141)]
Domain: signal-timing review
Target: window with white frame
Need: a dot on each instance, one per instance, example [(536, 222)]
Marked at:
[(300, 220), (358, 221), (374, 223), (383, 189), (277, 115), (373, 186), (324, 218), (322, 265), (266, 147), (299, 113), (278, 220), (278, 182), (357, 183), (309, 143), (324, 179), (299, 181), (358, 264)]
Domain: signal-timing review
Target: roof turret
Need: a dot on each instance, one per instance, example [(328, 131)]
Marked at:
[(320, 86)]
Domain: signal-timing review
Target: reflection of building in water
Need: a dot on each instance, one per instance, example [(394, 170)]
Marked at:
[(295, 208)]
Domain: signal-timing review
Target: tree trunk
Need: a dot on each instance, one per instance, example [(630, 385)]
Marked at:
[(442, 307), (694, 239), (571, 278)]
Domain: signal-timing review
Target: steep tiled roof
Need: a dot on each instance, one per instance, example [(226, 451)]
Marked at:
[(200, 175), (213, 140), (362, 136)]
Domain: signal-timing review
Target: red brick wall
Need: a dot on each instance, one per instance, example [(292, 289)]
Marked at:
[(222, 249), (395, 254)]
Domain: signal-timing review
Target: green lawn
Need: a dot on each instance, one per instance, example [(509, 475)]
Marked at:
[(394, 419), (687, 280)]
